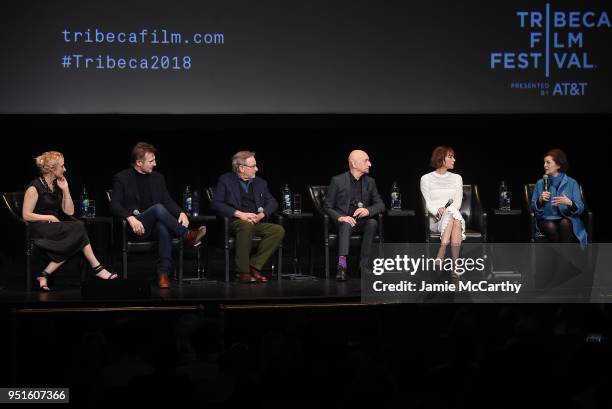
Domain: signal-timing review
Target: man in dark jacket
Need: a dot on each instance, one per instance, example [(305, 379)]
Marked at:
[(246, 200), (352, 202), (140, 196)]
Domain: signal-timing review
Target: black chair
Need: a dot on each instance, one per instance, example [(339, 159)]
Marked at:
[(330, 238), (14, 203), (136, 246), (473, 213), (220, 237), (534, 230)]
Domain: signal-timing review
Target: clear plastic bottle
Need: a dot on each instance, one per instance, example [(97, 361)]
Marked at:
[(286, 199), (396, 197), (187, 201), (84, 210), (504, 196)]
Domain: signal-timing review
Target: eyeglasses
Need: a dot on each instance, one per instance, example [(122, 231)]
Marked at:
[(249, 166)]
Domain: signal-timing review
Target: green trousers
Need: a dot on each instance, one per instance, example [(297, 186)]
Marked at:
[(272, 237)]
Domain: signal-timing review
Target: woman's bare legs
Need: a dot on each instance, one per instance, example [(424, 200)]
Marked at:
[(445, 239), (93, 261), (51, 267), (456, 239)]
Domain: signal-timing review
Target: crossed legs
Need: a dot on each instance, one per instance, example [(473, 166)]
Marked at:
[(451, 235)]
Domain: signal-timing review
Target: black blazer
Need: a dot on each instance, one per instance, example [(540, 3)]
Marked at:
[(226, 199), (338, 198), (125, 194)]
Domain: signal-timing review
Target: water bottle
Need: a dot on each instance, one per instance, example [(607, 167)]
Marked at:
[(286, 198), (195, 203), (396, 197), (504, 197), (507, 205), (187, 201), (84, 203)]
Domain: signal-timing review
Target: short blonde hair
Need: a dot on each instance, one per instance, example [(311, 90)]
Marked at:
[(48, 161)]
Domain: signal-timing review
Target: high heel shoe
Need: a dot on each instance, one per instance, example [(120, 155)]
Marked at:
[(44, 288), (111, 276)]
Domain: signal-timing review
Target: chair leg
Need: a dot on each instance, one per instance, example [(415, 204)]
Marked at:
[(82, 268), (180, 272), (310, 260), (125, 266), (327, 262), (208, 262), (227, 256), (280, 262), (28, 273)]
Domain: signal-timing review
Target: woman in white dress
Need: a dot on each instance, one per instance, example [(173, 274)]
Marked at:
[(443, 193)]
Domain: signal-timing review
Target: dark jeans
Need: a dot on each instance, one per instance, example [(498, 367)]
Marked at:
[(160, 225), (366, 226)]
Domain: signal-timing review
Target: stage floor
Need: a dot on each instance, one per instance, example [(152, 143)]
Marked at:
[(286, 291)]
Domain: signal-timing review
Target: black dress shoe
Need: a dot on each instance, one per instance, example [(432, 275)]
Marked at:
[(341, 275)]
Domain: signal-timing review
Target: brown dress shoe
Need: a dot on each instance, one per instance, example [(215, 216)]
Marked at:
[(163, 281), (195, 236), (258, 276), (245, 278)]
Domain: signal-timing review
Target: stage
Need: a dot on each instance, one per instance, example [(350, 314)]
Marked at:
[(280, 343), (285, 293)]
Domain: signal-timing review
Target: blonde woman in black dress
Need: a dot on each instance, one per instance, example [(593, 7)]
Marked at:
[(47, 199)]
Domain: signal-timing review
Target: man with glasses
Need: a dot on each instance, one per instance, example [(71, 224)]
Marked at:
[(352, 201), (247, 201), (140, 196)]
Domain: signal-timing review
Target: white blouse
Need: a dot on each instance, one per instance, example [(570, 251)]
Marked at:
[(437, 189)]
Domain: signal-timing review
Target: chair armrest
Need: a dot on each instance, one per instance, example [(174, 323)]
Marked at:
[(533, 226), (325, 230), (589, 225), (480, 218), (483, 225), (426, 226), (277, 218), (226, 231), (28, 238), (124, 234)]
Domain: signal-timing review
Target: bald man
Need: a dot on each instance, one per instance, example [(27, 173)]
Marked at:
[(352, 202)]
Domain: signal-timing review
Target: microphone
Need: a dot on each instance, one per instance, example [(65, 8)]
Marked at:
[(260, 209), (450, 202), (545, 179), (135, 212)]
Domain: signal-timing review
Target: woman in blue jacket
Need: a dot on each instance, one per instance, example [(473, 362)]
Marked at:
[(557, 202)]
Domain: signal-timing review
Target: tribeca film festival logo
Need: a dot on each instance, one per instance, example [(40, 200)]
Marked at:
[(556, 43)]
